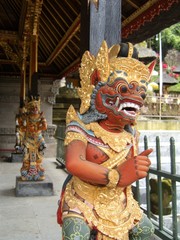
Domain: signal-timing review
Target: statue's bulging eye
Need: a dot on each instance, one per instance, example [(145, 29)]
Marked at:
[(143, 95), (121, 86), (124, 89)]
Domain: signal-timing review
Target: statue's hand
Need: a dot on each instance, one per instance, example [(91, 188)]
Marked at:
[(41, 115), (134, 168)]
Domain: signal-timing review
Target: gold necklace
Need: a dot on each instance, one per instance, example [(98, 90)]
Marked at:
[(117, 141)]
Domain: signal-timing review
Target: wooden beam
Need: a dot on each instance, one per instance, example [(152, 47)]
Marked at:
[(138, 12), (7, 62), (112, 33), (132, 4), (23, 18), (33, 68), (10, 53), (36, 8), (105, 24), (64, 41), (71, 68), (23, 75), (100, 21), (85, 26), (98, 24), (9, 36)]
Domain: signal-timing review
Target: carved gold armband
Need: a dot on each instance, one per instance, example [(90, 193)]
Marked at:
[(70, 136), (113, 177)]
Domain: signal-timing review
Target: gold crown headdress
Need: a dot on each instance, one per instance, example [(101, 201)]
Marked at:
[(95, 69), (33, 102)]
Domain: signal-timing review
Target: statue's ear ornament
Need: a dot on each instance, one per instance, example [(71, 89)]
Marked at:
[(95, 77), (98, 69), (151, 66), (91, 65), (130, 50)]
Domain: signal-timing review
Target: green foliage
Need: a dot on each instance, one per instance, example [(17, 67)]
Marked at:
[(170, 39), (175, 88), (154, 78)]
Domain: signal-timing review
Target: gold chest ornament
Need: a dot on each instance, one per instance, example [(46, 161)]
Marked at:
[(113, 211)]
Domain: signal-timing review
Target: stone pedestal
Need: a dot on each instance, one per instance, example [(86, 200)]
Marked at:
[(16, 157), (34, 188)]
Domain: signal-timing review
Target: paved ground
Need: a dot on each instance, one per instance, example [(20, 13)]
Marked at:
[(29, 218)]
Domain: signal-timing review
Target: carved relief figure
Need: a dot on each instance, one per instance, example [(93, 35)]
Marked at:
[(31, 124), (166, 195), (102, 149)]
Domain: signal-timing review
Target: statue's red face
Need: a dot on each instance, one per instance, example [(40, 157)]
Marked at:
[(120, 101), (33, 109)]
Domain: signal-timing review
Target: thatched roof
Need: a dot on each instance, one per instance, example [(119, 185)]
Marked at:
[(145, 54), (58, 26), (167, 79)]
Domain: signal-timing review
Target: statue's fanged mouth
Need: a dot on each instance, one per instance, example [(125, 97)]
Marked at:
[(129, 108), (126, 107)]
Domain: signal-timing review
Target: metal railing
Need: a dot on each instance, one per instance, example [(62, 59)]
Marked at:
[(161, 230)]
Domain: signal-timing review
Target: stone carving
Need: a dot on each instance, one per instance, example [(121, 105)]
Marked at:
[(58, 83), (166, 196), (102, 149), (31, 123)]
